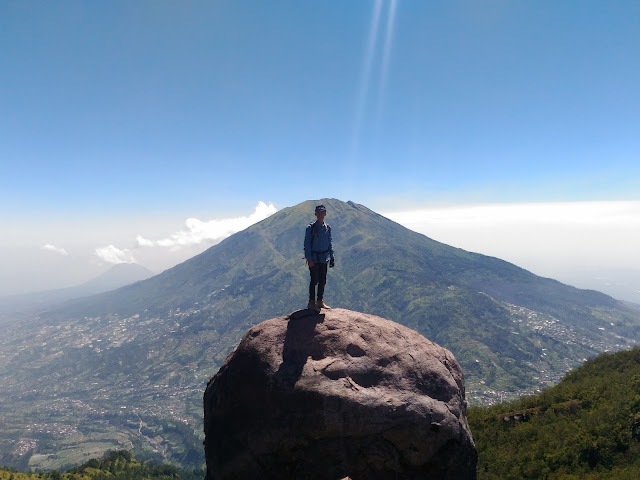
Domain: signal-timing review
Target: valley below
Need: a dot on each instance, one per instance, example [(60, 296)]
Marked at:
[(105, 383)]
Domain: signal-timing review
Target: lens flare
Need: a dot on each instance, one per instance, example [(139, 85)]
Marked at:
[(371, 58)]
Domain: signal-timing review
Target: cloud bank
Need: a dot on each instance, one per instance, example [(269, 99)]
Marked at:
[(54, 249), (597, 214), (197, 231), (545, 237)]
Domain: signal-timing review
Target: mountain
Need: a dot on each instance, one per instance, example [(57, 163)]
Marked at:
[(480, 307), (138, 357), (587, 426), (27, 304), (117, 276)]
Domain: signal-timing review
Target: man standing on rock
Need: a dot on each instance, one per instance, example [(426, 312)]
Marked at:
[(319, 252)]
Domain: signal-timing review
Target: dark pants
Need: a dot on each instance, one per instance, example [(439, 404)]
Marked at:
[(318, 277)]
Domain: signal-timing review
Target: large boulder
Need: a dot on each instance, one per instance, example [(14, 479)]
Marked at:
[(337, 394)]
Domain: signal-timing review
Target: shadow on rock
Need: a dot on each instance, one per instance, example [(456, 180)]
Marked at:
[(298, 345)]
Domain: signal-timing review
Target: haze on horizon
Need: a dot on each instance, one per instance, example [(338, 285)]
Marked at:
[(149, 131)]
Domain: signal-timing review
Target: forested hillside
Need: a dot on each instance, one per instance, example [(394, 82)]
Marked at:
[(118, 465), (585, 428)]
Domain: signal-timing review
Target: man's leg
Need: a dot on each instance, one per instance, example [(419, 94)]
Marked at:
[(321, 279), (313, 273)]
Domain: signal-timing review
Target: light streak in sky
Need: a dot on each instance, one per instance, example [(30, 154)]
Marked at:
[(386, 55), (365, 77), (370, 58)]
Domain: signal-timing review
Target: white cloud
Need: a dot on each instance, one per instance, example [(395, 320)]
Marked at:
[(544, 237), (578, 215), (114, 255), (601, 214), (143, 242), (54, 249), (585, 244), (198, 231)]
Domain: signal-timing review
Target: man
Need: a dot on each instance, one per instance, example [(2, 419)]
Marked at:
[(318, 251)]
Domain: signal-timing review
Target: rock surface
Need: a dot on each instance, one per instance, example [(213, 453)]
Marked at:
[(337, 394)]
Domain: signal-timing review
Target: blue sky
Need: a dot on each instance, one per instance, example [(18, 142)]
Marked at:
[(118, 116)]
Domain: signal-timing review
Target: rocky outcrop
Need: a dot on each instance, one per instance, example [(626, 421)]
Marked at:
[(337, 394)]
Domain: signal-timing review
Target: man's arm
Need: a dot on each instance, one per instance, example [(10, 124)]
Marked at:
[(307, 246), (330, 245)]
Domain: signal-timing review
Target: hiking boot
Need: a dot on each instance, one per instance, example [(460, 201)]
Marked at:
[(312, 306), (321, 304)]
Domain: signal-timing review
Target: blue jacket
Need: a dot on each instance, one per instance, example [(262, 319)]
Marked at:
[(321, 243)]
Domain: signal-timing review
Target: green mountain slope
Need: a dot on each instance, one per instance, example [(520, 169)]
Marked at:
[(138, 358), (586, 427)]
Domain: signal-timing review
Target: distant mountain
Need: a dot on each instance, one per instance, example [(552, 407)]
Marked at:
[(33, 303), (144, 352), (117, 276), (587, 426)]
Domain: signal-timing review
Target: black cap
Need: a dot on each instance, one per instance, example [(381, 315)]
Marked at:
[(320, 208)]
